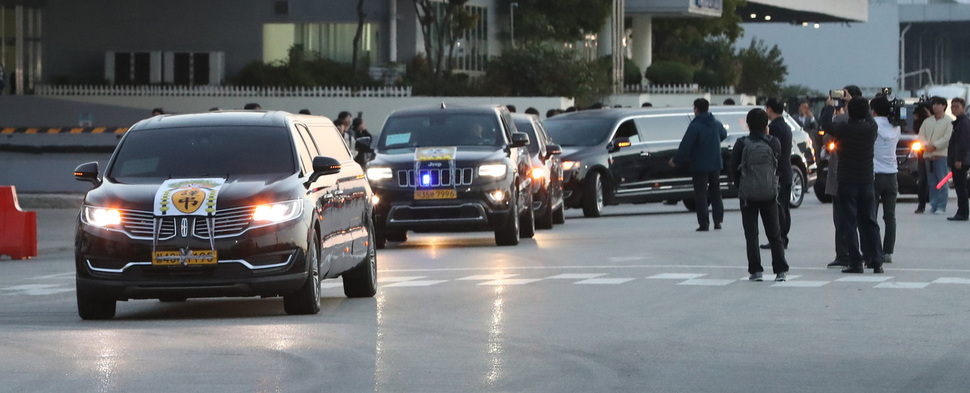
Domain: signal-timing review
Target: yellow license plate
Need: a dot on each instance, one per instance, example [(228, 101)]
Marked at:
[(435, 194), (177, 258)]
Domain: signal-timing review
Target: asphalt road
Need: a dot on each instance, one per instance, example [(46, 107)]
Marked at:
[(634, 301)]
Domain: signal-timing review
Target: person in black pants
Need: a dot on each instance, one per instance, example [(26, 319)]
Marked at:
[(921, 112), (780, 130), (757, 121), (856, 143), (701, 147), (958, 156)]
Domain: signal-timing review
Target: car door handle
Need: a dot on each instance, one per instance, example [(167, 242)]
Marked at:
[(644, 154), (333, 194)]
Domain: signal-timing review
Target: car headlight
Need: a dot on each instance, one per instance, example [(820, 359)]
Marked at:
[(539, 173), (101, 217), (568, 165), (916, 147), (278, 212), (378, 173), (493, 170)]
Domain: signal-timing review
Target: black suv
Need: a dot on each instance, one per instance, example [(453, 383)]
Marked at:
[(614, 156), (452, 168), (224, 204), (546, 172)]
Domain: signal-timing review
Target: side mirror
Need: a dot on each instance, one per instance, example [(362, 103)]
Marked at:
[(520, 139), (618, 144), (553, 149), (87, 172), (323, 166)]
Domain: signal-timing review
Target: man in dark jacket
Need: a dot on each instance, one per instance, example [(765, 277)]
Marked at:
[(958, 156), (757, 121), (856, 143), (701, 148), (780, 130)]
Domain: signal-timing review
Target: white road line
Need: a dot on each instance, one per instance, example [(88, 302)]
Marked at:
[(415, 283), (865, 279), (604, 281), (903, 285), (575, 276), (600, 267), (706, 282), (951, 280), (677, 276), (769, 277), (800, 284), (511, 281), (398, 278), (628, 259), (331, 284), (56, 276), (485, 277)]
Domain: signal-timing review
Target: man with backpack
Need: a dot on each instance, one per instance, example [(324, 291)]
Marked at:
[(754, 164)]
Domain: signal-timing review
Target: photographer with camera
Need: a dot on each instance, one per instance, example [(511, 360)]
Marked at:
[(885, 185), (856, 144), (934, 134)]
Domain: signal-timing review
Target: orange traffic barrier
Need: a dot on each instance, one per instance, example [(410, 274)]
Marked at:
[(18, 229)]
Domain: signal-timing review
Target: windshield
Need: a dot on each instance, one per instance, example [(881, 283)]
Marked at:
[(178, 153), (524, 125), (578, 132), (440, 130)]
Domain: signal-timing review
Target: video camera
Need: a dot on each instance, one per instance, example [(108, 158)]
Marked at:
[(896, 115)]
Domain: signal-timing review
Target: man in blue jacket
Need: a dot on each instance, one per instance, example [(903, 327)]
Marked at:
[(701, 149)]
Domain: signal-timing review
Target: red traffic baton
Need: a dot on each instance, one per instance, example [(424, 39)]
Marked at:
[(945, 179)]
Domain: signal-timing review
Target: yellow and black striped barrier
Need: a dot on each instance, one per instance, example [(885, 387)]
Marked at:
[(63, 130)]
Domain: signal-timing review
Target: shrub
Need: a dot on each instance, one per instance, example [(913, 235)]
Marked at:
[(669, 73)]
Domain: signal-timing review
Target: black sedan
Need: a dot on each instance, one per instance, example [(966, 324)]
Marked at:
[(224, 204), (546, 172)]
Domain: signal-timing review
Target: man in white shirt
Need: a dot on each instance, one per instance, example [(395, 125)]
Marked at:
[(884, 165), (934, 134)]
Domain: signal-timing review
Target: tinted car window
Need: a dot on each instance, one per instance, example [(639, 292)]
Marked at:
[(628, 129), (441, 130), (305, 148), (734, 123), (579, 132), (158, 154), (524, 125), (662, 128), (329, 143)]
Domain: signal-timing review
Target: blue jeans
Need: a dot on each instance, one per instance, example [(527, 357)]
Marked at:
[(936, 170)]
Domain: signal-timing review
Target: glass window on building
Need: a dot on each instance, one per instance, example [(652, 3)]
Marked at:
[(333, 41)]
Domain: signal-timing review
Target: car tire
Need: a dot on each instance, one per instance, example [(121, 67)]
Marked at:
[(397, 236), (690, 204), (527, 221), (593, 195), (306, 300), (559, 215), (545, 220), (361, 281), (508, 235), (91, 307), (797, 187)]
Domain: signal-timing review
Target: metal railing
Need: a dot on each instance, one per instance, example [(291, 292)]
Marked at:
[(691, 88), (220, 91)]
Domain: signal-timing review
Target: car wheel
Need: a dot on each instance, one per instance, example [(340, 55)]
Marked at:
[(361, 281), (528, 221), (91, 307), (545, 220), (397, 236), (690, 204), (306, 300), (508, 235), (559, 215), (797, 188), (593, 195)]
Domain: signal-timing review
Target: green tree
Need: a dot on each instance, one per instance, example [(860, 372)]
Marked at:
[(675, 37), (763, 70), (547, 71), (558, 20), (441, 25)]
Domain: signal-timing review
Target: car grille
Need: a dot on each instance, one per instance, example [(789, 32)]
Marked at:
[(228, 222), (439, 177), (140, 224)]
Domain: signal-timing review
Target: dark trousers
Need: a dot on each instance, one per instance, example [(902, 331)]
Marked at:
[(858, 221), (784, 211), (707, 191), (886, 189), (960, 183), (768, 210), (922, 191), (841, 249)]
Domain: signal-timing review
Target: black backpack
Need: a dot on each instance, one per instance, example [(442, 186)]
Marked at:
[(759, 164)]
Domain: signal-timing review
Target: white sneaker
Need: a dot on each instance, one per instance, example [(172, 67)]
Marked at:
[(783, 276), (756, 276)]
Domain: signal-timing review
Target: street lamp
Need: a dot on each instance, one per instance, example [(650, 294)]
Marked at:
[(512, 6)]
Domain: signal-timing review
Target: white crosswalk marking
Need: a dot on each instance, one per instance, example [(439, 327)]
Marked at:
[(511, 281), (800, 284), (331, 284), (415, 283), (604, 281), (398, 279), (486, 277), (903, 285), (677, 276), (705, 282), (865, 279), (951, 280), (575, 276)]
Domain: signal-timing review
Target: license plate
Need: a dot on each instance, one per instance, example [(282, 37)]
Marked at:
[(177, 258), (435, 194)]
